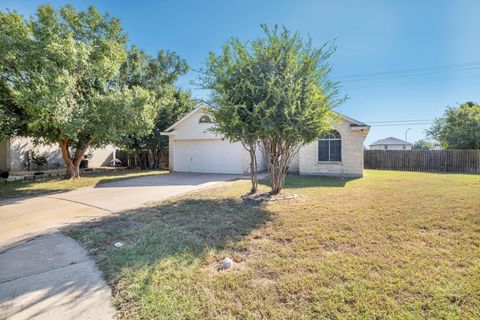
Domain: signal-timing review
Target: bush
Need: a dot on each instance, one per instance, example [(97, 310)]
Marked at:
[(39, 160)]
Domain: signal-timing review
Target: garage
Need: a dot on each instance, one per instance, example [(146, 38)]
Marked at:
[(207, 156)]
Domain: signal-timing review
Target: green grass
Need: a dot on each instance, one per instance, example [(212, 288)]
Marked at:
[(393, 245), (36, 187)]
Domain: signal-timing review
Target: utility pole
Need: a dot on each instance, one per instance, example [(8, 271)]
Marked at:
[(406, 133)]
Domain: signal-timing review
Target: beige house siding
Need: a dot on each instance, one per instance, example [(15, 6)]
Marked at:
[(5, 154), (305, 162), (261, 163), (13, 154), (352, 154), (294, 165), (101, 157), (19, 148), (190, 128)]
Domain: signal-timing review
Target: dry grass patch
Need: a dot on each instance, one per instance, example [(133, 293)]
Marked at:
[(393, 245)]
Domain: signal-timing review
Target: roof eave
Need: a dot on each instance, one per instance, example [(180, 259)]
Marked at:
[(185, 117)]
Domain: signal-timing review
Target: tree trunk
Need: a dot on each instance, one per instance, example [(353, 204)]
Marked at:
[(279, 155), (73, 172), (73, 164), (253, 167)]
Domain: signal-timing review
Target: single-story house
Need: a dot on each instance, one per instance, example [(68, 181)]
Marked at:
[(14, 154), (193, 148), (391, 143)]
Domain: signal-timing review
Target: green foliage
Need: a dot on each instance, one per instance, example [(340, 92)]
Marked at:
[(459, 128), (274, 89), (59, 79), (157, 76), (424, 144), (38, 159)]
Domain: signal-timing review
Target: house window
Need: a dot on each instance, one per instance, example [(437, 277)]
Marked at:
[(404, 147), (386, 147), (204, 119), (330, 147)]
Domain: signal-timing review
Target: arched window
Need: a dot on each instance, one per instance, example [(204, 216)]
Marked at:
[(330, 147), (205, 119)]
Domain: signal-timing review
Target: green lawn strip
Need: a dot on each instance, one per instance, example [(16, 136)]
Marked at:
[(393, 245), (35, 187)]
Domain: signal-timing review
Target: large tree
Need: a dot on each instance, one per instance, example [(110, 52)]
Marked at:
[(274, 90), (232, 78), (157, 75), (459, 128), (59, 81)]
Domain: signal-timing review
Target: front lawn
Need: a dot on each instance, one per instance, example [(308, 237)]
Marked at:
[(36, 187), (393, 245)]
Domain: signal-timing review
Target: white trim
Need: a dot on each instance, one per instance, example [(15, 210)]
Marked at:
[(351, 120), (360, 128), (168, 132)]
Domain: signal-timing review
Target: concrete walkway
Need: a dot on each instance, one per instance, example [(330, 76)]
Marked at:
[(45, 275)]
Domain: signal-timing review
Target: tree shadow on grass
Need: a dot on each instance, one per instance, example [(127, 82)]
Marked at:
[(178, 232)]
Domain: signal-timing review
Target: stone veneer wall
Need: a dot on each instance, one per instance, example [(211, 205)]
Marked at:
[(352, 155)]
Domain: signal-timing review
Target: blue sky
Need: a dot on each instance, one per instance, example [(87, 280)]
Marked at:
[(372, 36)]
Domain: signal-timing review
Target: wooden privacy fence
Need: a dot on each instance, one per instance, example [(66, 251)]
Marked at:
[(467, 161), (144, 159)]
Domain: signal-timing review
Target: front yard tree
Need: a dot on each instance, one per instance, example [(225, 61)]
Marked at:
[(157, 75), (274, 89), (232, 78), (459, 128), (58, 74)]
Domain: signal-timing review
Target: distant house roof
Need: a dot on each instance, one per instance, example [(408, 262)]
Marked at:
[(389, 141)]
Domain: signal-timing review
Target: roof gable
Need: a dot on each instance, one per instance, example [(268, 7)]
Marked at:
[(353, 123), (185, 117)]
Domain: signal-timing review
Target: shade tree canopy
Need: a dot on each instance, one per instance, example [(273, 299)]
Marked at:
[(459, 128), (157, 75), (59, 81), (275, 91)]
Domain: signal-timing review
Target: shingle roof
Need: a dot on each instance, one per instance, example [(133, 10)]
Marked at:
[(389, 140)]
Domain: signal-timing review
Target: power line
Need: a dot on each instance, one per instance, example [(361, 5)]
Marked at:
[(421, 120), (400, 124), (409, 83), (474, 65)]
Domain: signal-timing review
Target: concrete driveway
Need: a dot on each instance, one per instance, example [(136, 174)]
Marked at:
[(45, 275)]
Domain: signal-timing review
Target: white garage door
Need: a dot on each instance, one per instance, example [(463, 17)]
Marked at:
[(209, 156)]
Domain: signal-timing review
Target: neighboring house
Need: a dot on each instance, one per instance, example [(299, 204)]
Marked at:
[(391, 143), (192, 148), (14, 154)]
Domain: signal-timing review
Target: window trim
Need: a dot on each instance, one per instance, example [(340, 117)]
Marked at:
[(332, 135), (203, 116)]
